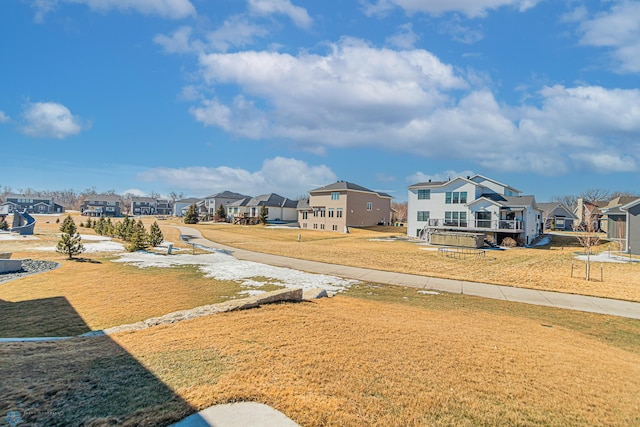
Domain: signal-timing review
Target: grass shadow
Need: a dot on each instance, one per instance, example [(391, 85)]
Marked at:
[(77, 381)]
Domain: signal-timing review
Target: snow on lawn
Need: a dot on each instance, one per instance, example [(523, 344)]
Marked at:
[(544, 241), (103, 244), (607, 257), (221, 266)]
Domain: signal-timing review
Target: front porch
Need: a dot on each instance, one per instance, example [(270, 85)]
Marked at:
[(477, 225)]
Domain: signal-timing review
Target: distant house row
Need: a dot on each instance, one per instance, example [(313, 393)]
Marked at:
[(475, 205), (38, 205)]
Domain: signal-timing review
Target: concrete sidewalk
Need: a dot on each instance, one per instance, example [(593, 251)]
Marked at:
[(241, 414), (506, 293)]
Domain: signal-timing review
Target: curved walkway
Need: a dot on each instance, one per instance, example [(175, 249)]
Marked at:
[(506, 293)]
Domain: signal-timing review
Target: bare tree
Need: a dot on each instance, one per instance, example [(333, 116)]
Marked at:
[(587, 235), (593, 195), (569, 200), (401, 210)]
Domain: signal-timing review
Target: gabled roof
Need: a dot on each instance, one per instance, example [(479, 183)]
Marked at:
[(347, 186), (241, 202), (630, 204), (22, 196), (189, 200), (515, 190), (144, 199), (508, 201), (303, 204), (102, 198), (227, 195), (272, 200), (551, 206), (469, 179)]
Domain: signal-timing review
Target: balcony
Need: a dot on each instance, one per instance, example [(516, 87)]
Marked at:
[(472, 224)]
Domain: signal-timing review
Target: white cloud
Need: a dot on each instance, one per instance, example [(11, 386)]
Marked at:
[(470, 8), (405, 38), (50, 120), (297, 14), (179, 41), (236, 31), (285, 176), (172, 9), (135, 192), (605, 162), (4, 118), (619, 30), (409, 101)]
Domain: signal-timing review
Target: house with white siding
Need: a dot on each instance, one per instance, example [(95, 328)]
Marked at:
[(475, 204)]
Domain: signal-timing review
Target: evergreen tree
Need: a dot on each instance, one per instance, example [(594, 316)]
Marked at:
[(108, 228), (68, 226), (4, 225), (70, 242), (191, 217), (264, 214), (221, 213), (139, 238), (155, 235), (89, 224)]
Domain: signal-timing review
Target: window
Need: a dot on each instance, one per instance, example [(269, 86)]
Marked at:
[(334, 227), (315, 226), (305, 215), (322, 213), (315, 213), (330, 212), (455, 197), (321, 226), (369, 206), (304, 225), (423, 215), (335, 195), (424, 194), (458, 219)]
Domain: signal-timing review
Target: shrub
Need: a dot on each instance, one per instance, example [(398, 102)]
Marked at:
[(509, 242)]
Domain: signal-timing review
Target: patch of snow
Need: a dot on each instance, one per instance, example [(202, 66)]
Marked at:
[(94, 237), (607, 257), (15, 236), (221, 266), (103, 244), (429, 292), (544, 241)]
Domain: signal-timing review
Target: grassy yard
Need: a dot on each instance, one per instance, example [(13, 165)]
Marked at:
[(375, 355), (545, 267)]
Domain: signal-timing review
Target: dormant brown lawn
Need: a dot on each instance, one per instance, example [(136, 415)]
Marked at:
[(547, 267), (377, 355)]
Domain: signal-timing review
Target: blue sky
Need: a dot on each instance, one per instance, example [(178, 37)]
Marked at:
[(201, 96)]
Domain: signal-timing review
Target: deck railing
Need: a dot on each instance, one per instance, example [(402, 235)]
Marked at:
[(472, 223)]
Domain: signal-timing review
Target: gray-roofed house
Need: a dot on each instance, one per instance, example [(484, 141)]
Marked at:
[(557, 216), (98, 205), (31, 204), (212, 203), (338, 206), (151, 206), (247, 210), (180, 206), (473, 205), (623, 223)]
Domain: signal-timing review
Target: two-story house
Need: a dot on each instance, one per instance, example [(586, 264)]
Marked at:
[(475, 204), (98, 205), (144, 206), (212, 203), (341, 205), (31, 204)]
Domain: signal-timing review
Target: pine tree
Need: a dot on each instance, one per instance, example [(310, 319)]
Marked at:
[(139, 238), (70, 242), (191, 217), (221, 213), (264, 214), (155, 235), (68, 226), (89, 224)]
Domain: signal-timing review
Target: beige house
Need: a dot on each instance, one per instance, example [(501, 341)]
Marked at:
[(338, 206)]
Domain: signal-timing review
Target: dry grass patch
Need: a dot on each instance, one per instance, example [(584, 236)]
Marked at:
[(351, 362), (546, 268)]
